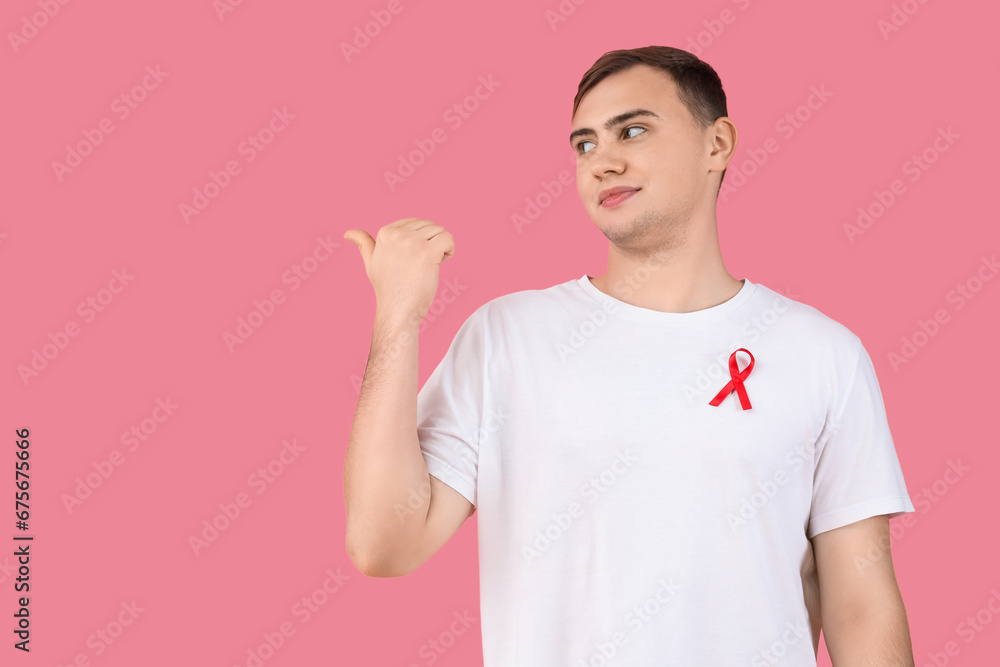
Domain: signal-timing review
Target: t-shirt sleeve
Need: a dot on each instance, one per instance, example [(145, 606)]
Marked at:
[(856, 470), (450, 408)]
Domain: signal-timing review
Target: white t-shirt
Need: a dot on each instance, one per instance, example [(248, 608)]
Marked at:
[(623, 519)]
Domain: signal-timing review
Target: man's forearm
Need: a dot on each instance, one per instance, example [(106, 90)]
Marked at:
[(384, 464), (877, 639)]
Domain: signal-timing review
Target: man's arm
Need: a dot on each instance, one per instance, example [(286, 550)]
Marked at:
[(397, 515), (864, 620)]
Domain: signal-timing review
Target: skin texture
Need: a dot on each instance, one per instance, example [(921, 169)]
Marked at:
[(668, 230), (864, 620)]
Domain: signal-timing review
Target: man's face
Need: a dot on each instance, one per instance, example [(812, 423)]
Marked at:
[(665, 156)]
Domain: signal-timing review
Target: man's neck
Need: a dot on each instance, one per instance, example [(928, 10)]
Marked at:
[(678, 279)]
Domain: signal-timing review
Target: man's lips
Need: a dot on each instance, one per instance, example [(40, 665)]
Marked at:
[(618, 189), (613, 200)]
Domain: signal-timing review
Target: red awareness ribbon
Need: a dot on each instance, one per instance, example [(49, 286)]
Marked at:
[(736, 382)]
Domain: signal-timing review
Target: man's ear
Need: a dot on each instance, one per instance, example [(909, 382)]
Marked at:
[(724, 138)]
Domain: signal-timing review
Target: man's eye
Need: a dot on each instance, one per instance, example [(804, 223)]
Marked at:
[(579, 146)]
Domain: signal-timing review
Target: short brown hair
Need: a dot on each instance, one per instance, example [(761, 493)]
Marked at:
[(698, 85)]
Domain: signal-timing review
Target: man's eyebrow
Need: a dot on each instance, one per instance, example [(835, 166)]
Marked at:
[(611, 122)]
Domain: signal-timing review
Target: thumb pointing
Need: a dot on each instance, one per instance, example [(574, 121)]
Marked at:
[(364, 241)]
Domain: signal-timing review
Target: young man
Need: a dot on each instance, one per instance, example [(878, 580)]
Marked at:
[(671, 466)]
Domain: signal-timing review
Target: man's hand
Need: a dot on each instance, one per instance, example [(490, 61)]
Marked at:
[(402, 263)]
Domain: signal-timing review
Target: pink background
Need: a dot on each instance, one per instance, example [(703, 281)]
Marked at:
[(296, 377)]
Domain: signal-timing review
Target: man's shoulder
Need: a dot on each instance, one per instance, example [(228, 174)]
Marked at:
[(532, 302), (802, 321)]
